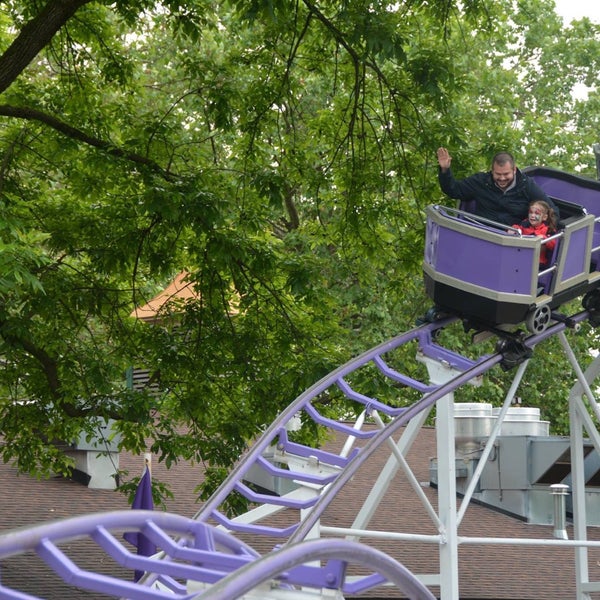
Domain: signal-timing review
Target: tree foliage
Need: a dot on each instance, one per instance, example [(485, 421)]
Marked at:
[(281, 152)]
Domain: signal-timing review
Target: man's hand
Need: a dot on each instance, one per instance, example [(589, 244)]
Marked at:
[(444, 159)]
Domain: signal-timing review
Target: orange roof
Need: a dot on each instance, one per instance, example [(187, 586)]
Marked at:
[(180, 289)]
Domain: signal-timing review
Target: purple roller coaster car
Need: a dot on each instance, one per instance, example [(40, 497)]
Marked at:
[(482, 272)]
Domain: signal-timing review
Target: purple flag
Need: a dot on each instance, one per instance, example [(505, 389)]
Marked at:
[(142, 501)]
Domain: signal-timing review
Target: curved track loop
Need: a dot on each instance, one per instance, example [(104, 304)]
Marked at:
[(190, 550), (212, 563)]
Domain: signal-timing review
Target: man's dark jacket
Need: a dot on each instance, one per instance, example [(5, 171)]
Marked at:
[(489, 201)]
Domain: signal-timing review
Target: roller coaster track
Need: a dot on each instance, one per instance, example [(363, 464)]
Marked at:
[(279, 548)]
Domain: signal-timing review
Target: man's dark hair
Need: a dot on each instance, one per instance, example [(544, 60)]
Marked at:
[(501, 158)]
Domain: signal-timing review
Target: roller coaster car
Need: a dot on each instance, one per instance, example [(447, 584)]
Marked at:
[(490, 276)]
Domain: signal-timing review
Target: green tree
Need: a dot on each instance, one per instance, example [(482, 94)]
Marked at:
[(282, 153)]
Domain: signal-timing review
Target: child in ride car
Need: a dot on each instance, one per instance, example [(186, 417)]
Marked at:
[(541, 221)]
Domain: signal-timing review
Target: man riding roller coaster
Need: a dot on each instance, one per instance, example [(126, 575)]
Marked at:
[(503, 194)]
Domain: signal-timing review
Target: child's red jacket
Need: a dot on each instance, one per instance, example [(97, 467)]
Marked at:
[(541, 231)]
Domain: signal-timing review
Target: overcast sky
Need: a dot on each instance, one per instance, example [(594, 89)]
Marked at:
[(575, 9)]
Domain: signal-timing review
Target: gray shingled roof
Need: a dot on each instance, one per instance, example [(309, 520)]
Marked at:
[(486, 572)]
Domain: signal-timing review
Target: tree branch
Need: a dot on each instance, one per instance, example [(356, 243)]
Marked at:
[(34, 37), (32, 114)]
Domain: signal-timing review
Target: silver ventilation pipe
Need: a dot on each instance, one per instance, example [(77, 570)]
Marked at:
[(560, 491)]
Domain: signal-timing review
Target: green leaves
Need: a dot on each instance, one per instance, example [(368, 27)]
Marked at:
[(283, 154)]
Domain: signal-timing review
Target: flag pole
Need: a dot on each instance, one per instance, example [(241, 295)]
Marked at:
[(142, 500)]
